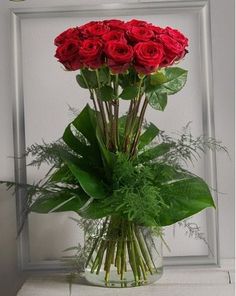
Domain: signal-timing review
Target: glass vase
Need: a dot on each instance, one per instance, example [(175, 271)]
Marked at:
[(121, 253)]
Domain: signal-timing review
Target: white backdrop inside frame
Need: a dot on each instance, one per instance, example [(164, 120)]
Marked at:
[(48, 90)]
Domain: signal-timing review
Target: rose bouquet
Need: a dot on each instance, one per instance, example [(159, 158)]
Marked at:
[(115, 169)]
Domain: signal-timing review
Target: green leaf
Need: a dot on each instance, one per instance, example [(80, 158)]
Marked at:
[(129, 93), (157, 100), (85, 123), (74, 143), (90, 183), (60, 174), (96, 209), (184, 197), (58, 202), (81, 82), (90, 77), (150, 133), (107, 156), (175, 80), (103, 75), (158, 78), (106, 93), (155, 152)]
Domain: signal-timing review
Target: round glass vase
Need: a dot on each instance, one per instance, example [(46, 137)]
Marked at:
[(122, 254)]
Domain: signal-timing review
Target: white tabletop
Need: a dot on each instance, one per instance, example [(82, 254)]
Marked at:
[(196, 281)]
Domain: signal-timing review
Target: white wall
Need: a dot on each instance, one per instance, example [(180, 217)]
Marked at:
[(223, 52), (223, 66)]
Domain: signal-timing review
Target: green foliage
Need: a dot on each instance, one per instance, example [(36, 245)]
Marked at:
[(151, 189), (167, 81), (157, 100), (151, 131), (106, 93), (129, 93)]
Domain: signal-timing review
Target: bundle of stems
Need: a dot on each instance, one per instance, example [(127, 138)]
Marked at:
[(121, 246), (109, 115)]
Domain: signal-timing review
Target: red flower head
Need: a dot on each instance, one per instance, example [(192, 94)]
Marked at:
[(172, 48), (136, 23), (147, 56), (114, 36), (115, 24), (177, 35), (119, 56), (71, 33), (91, 53), (94, 29), (139, 34), (68, 54)]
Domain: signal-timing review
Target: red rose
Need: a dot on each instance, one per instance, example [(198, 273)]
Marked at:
[(147, 56), (139, 34), (136, 23), (115, 24), (157, 30), (94, 29), (91, 53), (115, 36), (173, 50), (177, 35), (119, 56), (68, 54), (71, 33)]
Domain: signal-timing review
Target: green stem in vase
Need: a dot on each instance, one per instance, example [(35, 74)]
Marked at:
[(123, 244)]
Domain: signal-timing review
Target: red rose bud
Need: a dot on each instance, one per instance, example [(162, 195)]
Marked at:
[(68, 54), (172, 48), (114, 36), (140, 34), (177, 35), (147, 56), (119, 56), (71, 33), (91, 53)]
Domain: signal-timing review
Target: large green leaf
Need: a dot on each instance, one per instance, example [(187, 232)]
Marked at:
[(74, 143), (184, 197), (107, 156), (85, 123), (155, 152), (96, 209), (84, 143), (150, 133), (89, 182), (58, 202)]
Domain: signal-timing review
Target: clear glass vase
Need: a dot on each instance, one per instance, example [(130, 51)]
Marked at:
[(122, 254)]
